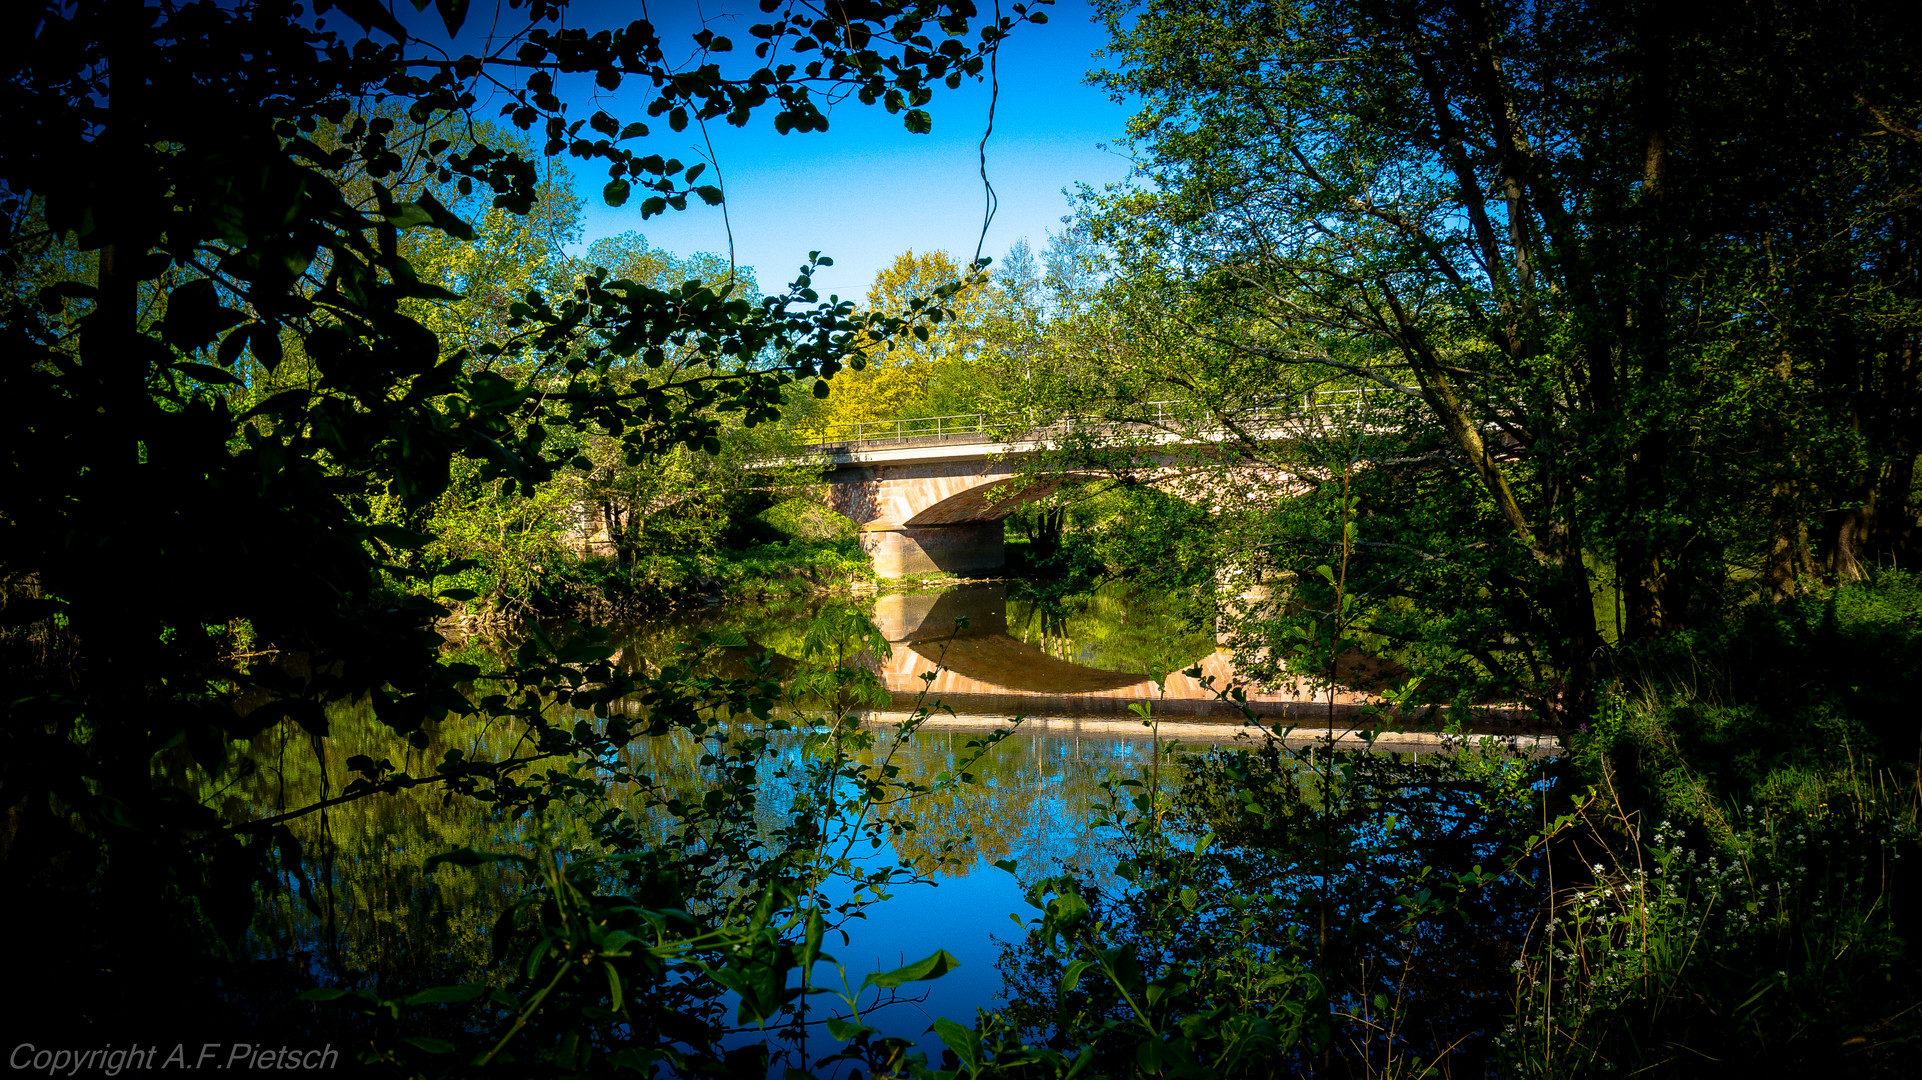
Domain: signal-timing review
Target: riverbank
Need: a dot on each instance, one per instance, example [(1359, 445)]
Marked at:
[(602, 590)]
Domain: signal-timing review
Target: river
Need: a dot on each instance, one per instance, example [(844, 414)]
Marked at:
[(1081, 672)]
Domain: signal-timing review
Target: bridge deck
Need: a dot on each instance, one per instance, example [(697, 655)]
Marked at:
[(975, 435)]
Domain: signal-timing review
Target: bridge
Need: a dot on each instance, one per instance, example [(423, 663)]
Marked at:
[(930, 495)]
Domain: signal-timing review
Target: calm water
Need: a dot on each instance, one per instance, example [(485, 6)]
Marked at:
[(981, 653)]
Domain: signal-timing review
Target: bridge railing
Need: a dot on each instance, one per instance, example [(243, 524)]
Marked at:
[(917, 427), (1160, 414)]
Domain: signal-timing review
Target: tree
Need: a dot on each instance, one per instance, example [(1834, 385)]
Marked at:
[(1614, 257), (192, 194), (926, 374)]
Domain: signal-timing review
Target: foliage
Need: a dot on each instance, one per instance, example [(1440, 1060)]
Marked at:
[(1131, 626), (1614, 352), (1781, 943), (1162, 994), (1330, 909), (1740, 886), (799, 519), (727, 867), (1779, 706), (223, 357), (297, 364), (1136, 533), (759, 572), (930, 373)]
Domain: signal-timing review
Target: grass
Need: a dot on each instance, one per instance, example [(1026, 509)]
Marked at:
[(1740, 894)]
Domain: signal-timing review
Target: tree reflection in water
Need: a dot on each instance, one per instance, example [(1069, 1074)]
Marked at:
[(1354, 857)]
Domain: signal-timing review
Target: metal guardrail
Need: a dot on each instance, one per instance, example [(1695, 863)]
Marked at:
[(1165, 413)]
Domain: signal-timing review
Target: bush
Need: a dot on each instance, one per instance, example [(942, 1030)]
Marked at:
[(1743, 888), (798, 519), (1785, 705)]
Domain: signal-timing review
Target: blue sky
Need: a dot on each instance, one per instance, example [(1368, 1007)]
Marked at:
[(867, 189)]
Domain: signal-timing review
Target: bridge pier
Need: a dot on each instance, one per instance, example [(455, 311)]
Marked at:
[(968, 547)]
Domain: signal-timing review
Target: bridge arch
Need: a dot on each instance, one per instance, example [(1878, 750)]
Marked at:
[(935, 505), (995, 500)]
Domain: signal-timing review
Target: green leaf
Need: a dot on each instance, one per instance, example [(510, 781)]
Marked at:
[(616, 943), (616, 192), (1067, 909), (964, 1041), (408, 215), (933, 967), (282, 403), (471, 857), (811, 940), (446, 220), (231, 345), (452, 14), (634, 1060), (843, 1029), (373, 15), (195, 315), (426, 290), (265, 341), (614, 996), (918, 121), (432, 1046), (1071, 978)]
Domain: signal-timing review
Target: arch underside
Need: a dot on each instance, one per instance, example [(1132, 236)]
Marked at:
[(995, 500)]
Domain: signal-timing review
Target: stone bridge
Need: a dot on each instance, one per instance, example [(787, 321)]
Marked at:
[(932, 500), (934, 504)]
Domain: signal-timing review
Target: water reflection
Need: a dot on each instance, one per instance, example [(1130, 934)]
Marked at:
[(370, 915), (1002, 649)]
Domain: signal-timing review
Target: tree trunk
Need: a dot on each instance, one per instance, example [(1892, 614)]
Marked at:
[(1780, 570)]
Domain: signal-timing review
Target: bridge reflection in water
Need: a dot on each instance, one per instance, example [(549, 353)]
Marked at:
[(958, 646), (980, 666)]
